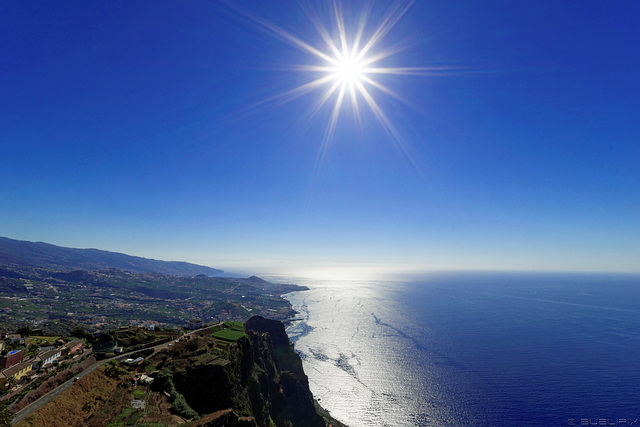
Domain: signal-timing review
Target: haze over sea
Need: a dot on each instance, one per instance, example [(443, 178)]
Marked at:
[(525, 349)]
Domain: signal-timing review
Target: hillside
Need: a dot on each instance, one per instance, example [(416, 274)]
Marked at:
[(97, 300), (231, 375), (39, 254)]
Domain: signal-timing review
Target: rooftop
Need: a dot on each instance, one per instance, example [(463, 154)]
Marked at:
[(47, 354), (9, 372)]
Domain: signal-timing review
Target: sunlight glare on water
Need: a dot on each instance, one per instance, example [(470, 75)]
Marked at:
[(359, 363)]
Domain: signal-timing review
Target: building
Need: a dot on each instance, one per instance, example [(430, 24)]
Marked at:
[(4, 336), (146, 380), (13, 357), (12, 337), (72, 347), (35, 363), (17, 371), (195, 324), (50, 356)]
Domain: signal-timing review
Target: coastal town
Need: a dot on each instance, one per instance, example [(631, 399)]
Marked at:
[(58, 301)]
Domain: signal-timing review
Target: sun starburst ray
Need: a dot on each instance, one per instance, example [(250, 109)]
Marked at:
[(387, 25), (323, 100), (391, 130), (383, 88), (334, 116), (382, 55), (329, 132), (324, 34), (417, 71), (354, 100), (341, 29), (362, 24), (287, 37), (290, 95), (377, 111)]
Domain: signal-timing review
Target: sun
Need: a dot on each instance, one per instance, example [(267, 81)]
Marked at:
[(344, 66), (348, 71)]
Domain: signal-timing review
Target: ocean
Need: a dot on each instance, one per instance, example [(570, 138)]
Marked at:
[(473, 349)]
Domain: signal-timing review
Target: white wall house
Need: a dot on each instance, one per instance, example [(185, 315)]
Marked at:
[(50, 356)]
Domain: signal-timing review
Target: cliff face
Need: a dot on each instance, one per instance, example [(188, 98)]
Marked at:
[(261, 382)]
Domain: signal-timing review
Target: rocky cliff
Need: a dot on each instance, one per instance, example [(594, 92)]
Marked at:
[(229, 375), (258, 382)]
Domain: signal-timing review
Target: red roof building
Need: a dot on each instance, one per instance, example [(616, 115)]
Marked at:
[(72, 347), (12, 358)]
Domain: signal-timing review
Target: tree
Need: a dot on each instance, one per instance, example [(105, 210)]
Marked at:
[(25, 331), (79, 332), (6, 416), (164, 379), (32, 350), (107, 336), (112, 370)]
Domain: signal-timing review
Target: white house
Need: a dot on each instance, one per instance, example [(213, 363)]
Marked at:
[(50, 356)]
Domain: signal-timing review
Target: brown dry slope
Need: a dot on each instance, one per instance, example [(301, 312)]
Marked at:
[(76, 405)]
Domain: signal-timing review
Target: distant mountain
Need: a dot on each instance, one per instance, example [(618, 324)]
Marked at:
[(39, 254)]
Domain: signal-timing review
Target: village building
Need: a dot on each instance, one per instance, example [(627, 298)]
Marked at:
[(12, 337), (17, 371), (146, 380), (72, 347), (50, 356), (195, 324), (135, 361), (12, 358)]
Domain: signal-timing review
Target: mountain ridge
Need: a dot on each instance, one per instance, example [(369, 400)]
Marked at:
[(42, 254)]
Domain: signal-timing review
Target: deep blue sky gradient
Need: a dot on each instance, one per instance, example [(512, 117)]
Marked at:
[(130, 126)]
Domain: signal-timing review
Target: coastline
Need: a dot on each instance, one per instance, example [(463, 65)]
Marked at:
[(325, 413)]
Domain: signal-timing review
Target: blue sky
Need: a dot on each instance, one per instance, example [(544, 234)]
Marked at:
[(143, 127)]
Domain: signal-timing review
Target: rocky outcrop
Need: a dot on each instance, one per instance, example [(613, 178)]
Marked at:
[(262, 382), (289, 394), (274, 328)]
